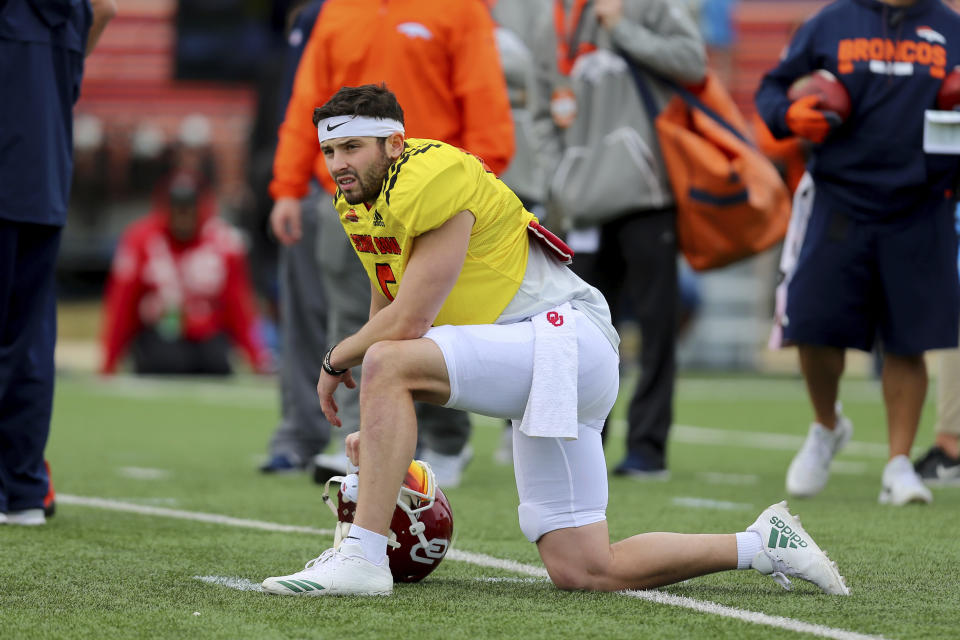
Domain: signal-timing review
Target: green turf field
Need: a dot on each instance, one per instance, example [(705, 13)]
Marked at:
[(187, 448)]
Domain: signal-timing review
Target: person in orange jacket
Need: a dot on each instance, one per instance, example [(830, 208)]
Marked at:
[(440, 58)]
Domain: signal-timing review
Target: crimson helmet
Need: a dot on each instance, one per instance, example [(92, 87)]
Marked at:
[(422, 526)]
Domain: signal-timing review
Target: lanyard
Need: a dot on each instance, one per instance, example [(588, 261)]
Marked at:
[(569, 47)]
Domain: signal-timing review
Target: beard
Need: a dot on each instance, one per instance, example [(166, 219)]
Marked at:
[(370, 183)]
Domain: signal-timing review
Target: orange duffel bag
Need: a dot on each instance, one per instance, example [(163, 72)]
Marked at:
[(731, 201)]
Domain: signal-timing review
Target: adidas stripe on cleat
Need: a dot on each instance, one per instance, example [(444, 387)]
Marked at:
[(336, 572), (790, 552)]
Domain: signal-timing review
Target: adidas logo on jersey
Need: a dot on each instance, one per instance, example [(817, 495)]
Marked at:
[(378, 219), (783, 536)]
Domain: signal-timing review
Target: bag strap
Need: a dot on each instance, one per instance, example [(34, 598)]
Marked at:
[(643, 88), (646, 95)]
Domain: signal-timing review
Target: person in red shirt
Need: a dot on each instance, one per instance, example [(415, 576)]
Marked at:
[(179, 291)]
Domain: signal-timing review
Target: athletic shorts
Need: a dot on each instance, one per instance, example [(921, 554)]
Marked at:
[(856, 281), (561, 483)]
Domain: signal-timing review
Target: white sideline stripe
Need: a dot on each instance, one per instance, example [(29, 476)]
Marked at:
[(213, 518), (483, 560), (169, 502), (480, 559), (755, 617), (706, 503)]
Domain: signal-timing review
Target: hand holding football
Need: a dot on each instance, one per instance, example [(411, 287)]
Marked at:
[(823, 84)]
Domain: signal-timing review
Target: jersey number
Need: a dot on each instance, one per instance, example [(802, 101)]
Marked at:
[(384, 277)]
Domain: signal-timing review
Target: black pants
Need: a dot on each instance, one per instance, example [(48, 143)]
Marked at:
[(154, 355), (636, 270), (28, 332)]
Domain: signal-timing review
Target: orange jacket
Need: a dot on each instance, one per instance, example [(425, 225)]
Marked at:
[(438, 56)]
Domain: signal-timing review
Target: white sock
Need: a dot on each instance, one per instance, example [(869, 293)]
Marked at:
[(373, 544), (749, 544)]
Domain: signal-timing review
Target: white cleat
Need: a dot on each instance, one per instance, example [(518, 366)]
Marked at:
[(26, 517), (902, 485), (810, 468), (788, 550), (336, 572)]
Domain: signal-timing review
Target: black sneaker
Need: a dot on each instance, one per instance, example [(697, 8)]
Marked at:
[(937, 468)]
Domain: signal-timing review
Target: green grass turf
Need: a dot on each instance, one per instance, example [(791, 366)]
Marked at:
[(94, 573)]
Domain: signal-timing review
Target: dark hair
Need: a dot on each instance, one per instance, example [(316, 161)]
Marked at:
[(371, 100)]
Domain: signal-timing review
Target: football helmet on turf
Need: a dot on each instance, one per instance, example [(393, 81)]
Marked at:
[(422, 526)]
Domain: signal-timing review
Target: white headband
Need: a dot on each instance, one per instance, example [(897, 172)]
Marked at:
[(357, 126)]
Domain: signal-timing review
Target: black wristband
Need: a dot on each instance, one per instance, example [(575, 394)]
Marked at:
[(329, 367)]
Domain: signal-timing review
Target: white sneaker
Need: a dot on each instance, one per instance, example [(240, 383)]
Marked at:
[(27, 517), (448, 469), (902, 485), (336, 572), (3, 518), (788, 550), (810, 468)]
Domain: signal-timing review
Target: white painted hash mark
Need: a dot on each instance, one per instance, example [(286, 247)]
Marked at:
[(240, 584), (511, 579)]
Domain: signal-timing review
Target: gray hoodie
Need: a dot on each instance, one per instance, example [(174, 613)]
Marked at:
[(608, 162)]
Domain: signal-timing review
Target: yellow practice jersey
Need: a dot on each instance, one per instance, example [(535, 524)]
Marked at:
[(427, 185)]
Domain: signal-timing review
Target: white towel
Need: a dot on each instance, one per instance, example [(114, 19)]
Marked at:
[(551, 410), (796, 232)]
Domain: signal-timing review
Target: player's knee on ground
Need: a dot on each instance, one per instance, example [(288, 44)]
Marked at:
[(575, 569)]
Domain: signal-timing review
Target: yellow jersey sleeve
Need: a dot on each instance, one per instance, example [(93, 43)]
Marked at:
[(430, 184)]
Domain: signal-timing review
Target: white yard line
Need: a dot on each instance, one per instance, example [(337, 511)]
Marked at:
[(212, 518), (661, 597), (478, 559)]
